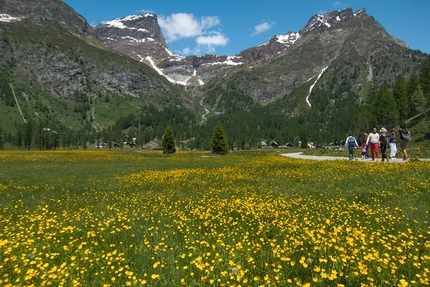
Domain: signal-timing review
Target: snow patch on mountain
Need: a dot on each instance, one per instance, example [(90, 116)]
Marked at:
[(288, 39), (198, 77), (183, 82), (313, 85), (149, 59), (229, 61), (137, 40), (119, 22), (8, 18), (322, 19)]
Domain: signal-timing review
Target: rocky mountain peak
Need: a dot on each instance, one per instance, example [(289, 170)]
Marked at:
[(320, 22), (47, 13), (276, 45), (279, 43), (138, 36)]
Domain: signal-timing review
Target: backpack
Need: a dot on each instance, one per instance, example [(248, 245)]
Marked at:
[(384, 139), (351, 141), (404, 135)]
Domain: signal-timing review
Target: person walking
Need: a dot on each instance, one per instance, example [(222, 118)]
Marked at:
[(351, 142), (373, 140), (405, 137), (393, 143), (364, 146), (363, 151), (383, 143)]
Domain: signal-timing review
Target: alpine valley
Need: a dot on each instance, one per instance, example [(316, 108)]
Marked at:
[(341, 73)]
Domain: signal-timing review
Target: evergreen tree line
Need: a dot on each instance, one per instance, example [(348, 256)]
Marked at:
[(387, 107)]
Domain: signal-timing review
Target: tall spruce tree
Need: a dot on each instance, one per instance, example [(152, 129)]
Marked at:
[(419, 102), (425, 78), (412, 87), (400, 93), (19, 138), (28, 134), (1, 138), (384, 107), (168, 141), (219, 143)]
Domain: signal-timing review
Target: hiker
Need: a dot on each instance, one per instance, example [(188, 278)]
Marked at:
[(373, 140), (393, 143), (364, 146), (405, 137), (351, 142), (383, 143)]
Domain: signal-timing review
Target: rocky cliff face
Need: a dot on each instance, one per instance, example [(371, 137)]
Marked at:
[(137, 36), (52, 14)]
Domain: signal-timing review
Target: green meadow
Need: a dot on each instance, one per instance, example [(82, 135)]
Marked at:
[(141, 218)]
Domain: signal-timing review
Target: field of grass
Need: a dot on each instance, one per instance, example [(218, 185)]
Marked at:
[(141, 218)]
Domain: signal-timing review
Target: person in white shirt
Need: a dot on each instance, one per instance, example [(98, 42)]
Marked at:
[(373, 140)]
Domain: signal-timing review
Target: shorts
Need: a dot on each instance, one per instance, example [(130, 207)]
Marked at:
[(403, 144)]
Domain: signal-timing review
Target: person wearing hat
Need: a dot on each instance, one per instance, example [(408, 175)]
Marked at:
[(383, 142), (393, 143), (373, 140)]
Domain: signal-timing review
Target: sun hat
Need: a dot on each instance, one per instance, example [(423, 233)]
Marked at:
[(382, 130)]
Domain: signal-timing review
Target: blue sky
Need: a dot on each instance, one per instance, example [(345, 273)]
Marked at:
[(226, 27)]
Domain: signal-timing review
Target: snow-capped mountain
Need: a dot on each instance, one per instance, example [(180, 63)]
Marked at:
[(140, 37)]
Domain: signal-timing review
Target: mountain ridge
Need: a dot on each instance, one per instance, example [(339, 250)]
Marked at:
[(198, 70)]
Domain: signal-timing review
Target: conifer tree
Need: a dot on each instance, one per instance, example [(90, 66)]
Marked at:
[(19, 138), (384, 107), (425, 78), (168, 141), (400, 93), (28, 134), (303, 141), (419, 102), (412, 87), (219, 143), (1, 138)]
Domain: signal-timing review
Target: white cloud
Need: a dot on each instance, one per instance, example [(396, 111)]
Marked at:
[(260, 28), (210, 41), (182, 25), (186, 51), (340, 4), (213, 39), (209, 22)]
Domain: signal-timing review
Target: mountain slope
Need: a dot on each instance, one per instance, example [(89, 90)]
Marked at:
[(335, 40), (356, 47), (58, 65)]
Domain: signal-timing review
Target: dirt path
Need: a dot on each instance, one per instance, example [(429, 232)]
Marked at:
[(323, 157)]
